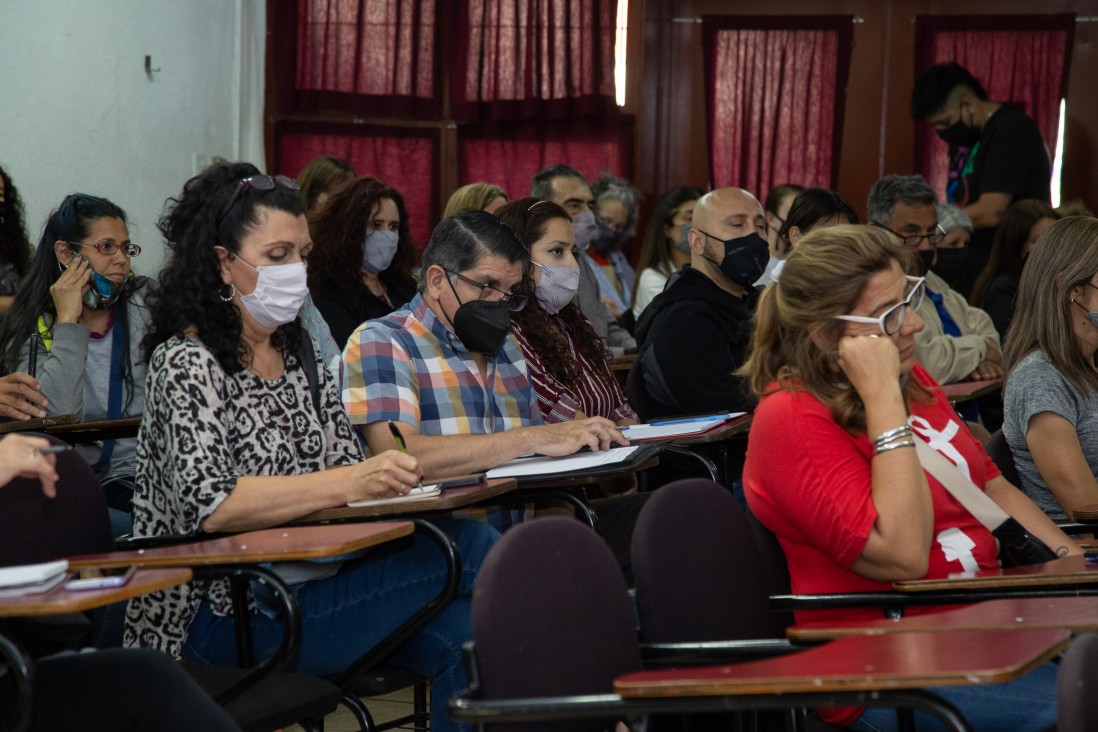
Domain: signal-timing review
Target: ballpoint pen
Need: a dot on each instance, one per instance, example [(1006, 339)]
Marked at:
[(32, 359), (399, 439)]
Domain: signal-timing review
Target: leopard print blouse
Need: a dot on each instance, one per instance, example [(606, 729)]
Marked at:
[(202, 429)]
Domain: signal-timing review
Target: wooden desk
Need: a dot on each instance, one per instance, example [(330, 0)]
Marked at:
[(58, 600), (622, 363), (255, 547), (579, 480), (451, 499), (109, 429), (36, 424), (1086, 513), (1076, 614), (1065, 571), (864, 663), (964, 391)]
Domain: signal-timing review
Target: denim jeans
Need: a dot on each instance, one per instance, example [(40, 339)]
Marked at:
[(348, 614), (1026, 704)]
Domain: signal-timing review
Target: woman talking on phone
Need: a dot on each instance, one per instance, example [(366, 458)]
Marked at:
[(832, 465), (79, 318)]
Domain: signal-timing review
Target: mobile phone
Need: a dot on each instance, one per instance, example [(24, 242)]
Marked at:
[(100, 581), (460, 480)]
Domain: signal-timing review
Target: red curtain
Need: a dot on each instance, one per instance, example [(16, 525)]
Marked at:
[(510, 155), (370, 56), (776, 91), (1019, 59), (529, 59), (405, 159)]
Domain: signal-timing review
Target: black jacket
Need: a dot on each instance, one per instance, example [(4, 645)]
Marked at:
[(692, 337)]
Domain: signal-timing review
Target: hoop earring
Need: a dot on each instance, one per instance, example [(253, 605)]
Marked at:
[(227, 298)]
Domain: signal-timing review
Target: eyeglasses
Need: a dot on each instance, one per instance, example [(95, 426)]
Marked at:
[(261, 183), (912, 240), (892, 320), (515, 301), (108, 248)]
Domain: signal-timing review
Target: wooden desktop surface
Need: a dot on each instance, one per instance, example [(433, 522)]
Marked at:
[(865, 663), (1059, 572), (58, 600), (964, 391), (290, 543), (451, 499), (1077, 614), (623, 362), (572, 480), (108, 429), (38, 424), (1086, 513)]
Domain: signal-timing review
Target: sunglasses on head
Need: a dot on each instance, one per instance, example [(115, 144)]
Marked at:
[(261, 183)]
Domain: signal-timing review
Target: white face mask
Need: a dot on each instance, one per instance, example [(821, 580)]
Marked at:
[(557, 286), (280, 291), (379, 249)]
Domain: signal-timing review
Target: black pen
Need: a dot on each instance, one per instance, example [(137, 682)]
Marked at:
[(32, 360), (399, 438)]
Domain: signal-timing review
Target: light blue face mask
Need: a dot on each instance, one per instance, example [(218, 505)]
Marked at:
[(683, 245), (103, 292)]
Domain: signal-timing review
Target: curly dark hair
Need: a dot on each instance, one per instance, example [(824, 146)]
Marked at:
[(14, 244), (338, 229), (204, 215), (550, 342)]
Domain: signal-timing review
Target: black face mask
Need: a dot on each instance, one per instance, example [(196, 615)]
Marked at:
[(482, 326), (605, 239), (953, 266), (745, 258), (927, 258), (959, 134)]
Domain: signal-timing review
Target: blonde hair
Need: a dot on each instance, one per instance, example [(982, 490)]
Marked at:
[(823, 277), (476, 196), (1064, 257)]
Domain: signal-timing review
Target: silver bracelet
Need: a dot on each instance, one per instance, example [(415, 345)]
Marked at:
[(893, 445), (901, 431)]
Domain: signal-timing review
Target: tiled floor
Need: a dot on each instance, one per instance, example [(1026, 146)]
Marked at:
[(382, 708)]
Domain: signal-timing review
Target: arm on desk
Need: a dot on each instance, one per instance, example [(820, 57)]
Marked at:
[(1054, 445), (259, 502), (451, 454), (1018, 505)]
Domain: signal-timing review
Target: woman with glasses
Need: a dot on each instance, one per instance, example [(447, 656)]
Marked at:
[(1050, 405), (831, 463), (245, 430), (360, 267), (77, 325), (565, 358)]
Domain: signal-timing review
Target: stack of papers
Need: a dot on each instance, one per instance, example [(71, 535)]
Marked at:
[(32, 579), (418, 491), (542, 465), (677, 427)]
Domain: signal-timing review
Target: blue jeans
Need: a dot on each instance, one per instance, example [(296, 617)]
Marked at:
[(348, 614), (1023, 705)]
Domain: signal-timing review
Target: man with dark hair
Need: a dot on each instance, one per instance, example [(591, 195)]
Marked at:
[(567, 187), (776, 209), (1004, 158)]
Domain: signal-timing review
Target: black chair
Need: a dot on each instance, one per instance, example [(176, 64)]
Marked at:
[(999, 452), (1077, 686), (637, 394), (551, 618), (76, 522)]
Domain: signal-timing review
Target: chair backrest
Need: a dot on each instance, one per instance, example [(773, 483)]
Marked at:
[(999, 452), (1077, 686), (551, 616), (637, 394), (34, 528), (697, 569)]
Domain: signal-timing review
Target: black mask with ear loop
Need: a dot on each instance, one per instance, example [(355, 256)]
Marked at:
[(481, 326)]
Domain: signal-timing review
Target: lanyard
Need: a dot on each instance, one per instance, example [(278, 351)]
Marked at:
[(114, 398)]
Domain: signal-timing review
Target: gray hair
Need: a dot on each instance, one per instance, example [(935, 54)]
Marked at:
[(910, 190), (612, 188), (950, 217)]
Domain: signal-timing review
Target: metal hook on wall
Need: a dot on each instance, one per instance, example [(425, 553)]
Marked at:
[(149, 70)]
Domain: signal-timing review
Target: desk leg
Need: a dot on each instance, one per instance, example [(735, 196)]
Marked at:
[(709, 465)]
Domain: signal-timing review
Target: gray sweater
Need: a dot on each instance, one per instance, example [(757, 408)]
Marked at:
[(75, 378)]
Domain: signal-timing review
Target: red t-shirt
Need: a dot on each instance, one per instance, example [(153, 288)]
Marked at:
[(808, 480)]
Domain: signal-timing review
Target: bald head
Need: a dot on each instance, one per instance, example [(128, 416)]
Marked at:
[(727, 213)]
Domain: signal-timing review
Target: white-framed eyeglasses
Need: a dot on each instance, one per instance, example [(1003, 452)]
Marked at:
[(891, 320)]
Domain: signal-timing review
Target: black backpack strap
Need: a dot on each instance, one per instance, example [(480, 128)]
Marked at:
[(306, 356)]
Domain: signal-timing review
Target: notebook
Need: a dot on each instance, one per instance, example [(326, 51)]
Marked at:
[(614, 460), (32, 579), (662, 429), (418, 492)]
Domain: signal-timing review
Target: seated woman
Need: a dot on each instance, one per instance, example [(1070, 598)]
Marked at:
[(15, 248), (1050, 404), (361, 263), (616, 210), (233, 441), (996, 288), (320, 177), (477, 196), (831, 463), (565, 358), (664, 249), (812, 209), (87, 312)]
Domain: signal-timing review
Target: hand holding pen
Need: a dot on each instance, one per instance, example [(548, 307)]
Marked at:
[(399, 439)]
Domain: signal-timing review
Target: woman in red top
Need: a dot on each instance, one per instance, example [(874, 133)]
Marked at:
[(831, 466)]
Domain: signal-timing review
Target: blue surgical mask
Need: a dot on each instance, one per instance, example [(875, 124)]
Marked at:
[(378, 249), (102, 294)]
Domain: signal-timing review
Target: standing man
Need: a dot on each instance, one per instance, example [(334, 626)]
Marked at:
[(1006, 159), (694, 335), (568, 188)]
